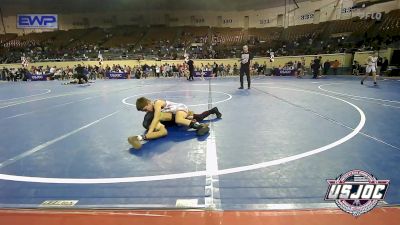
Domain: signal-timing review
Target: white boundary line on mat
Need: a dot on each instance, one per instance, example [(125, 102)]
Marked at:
[(355, 96), (46, 92), (202, 173), (157, 92)]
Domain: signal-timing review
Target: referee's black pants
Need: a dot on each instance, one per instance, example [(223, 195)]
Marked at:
[(244, 70), (191, 75)]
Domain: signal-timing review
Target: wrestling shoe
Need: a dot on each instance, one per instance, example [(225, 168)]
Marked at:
[(216, 112), (202, 130)]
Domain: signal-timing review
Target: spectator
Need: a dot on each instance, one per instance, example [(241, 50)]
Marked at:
[(385, 65), (335, 66), (299, 67), (355, 68), (3, 74), (316, 64), (327, 66), (379, 65), (157, 71), (215, 69), (235, 69)]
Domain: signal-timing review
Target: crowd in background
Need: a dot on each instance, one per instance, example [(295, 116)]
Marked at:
[(210, 43), (317, 67), (164, 51)]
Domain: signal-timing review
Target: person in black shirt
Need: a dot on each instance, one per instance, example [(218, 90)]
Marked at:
[(384, 67), (215, 70), (82, 78), (327, 66), (245, 59), (138, 73), (177, 112), (379, 66), (190, 64), (3, 74), (315, 67)]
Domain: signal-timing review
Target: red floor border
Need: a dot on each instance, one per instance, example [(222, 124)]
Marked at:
[(384, 216)]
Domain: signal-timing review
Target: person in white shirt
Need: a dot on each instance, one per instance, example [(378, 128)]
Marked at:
[(371, 67), (157, 71), (178, 113), (24, 61)]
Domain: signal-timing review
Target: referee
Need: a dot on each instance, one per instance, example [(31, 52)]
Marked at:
[(245, 59), (190, 64)]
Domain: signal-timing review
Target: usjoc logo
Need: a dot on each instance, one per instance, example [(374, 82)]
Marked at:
[(356, 192), (49, 21)]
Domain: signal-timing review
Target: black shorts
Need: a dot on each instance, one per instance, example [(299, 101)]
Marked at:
[(81, 77), (149, 117)]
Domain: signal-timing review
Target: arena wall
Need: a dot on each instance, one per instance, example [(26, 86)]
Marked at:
[(345, 60), (361, 57)]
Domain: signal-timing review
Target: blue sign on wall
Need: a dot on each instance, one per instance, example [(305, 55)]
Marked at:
[(37, 77), (29, 21), (115, 75)]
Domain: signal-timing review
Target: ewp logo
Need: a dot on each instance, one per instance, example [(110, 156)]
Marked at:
[(49, 21)]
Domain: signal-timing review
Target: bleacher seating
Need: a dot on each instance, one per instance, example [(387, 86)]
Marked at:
[(6, 37), (169, 42), (65, 38), (264, 35), (347, 26), (194, 35), (294, 33), (159, 36), (391, 24), (227, 36), (94, 36), (123, 36)]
